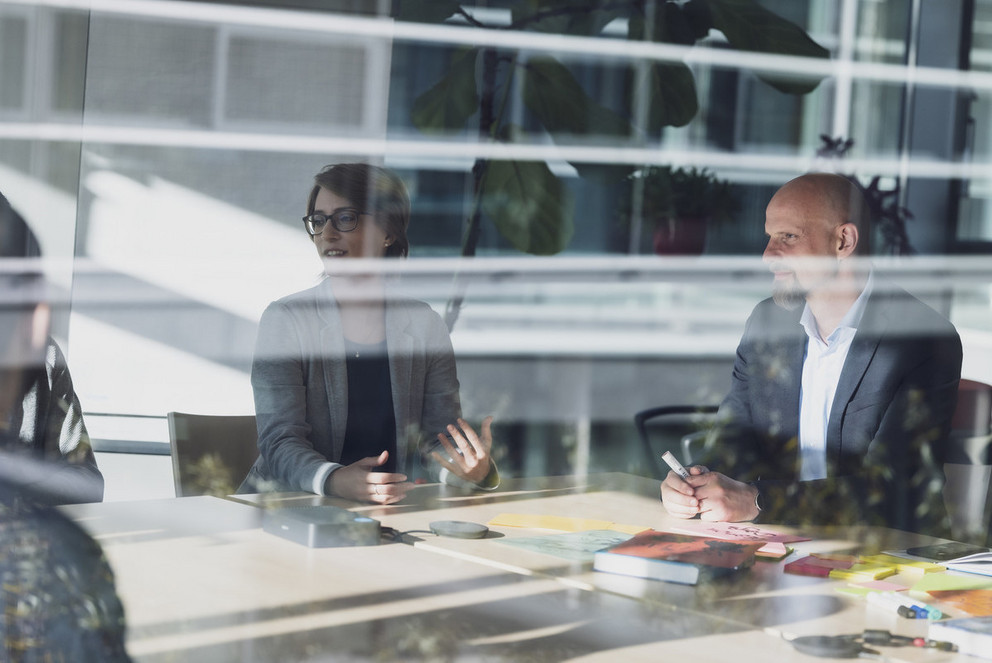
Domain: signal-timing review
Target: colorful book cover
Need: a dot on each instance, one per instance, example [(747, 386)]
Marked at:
[(675, 557)]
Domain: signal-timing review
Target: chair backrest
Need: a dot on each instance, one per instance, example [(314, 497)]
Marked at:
[(679, 420), (211, 454), (968, 466), (973, 414)]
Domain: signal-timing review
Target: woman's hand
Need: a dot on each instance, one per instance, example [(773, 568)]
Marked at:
[(473, 463), (358, 482)]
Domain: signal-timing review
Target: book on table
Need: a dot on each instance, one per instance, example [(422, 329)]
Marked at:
[(954, 556), (972, 635), (980, 563), (674, 557)]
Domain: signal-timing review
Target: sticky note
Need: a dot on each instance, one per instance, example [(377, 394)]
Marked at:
[(863, 572), (814, 566), (772, 551), (975, 602), (947, 581), (561, 523), (882, 586), (903, 565)]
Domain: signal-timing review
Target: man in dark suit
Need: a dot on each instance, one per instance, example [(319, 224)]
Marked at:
[(842, 390), (41, 421), (57, 589)]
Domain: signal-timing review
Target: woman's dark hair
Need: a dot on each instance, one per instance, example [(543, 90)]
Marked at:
[(16, 238), (374, 190)]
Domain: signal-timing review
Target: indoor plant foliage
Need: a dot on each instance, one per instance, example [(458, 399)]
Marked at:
[(525, 200), (678, 203), (888, 216)]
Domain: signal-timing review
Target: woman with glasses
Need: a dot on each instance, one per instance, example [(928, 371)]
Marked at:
[(355, 387)]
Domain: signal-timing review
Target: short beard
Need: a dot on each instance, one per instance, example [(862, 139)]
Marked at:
[(788, 295)]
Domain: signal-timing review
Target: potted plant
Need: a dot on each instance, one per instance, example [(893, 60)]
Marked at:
[(677, 204)]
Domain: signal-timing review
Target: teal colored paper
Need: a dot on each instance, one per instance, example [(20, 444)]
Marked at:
[(575, 546)]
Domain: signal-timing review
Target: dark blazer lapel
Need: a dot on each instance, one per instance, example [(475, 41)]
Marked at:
[(330, 356), (859, 359), (399, 346), (781, 347), (792, 386)]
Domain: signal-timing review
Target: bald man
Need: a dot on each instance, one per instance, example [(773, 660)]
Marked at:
[(842, 390)]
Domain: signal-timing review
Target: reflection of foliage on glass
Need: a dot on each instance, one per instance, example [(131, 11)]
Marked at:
[(211, 475), (682, 193), (525, 200), (887, 214), (58, 591)]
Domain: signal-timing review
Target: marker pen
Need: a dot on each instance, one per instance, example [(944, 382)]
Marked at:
[(880, 600), (928, 611), (674, 463)]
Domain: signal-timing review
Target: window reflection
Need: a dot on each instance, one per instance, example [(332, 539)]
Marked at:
[(171, 146)]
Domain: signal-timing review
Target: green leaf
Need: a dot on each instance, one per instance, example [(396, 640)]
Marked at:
[(673, 26), (565, 16), (673, 101), (424, 11), (529, 205), (750, 27), (563, 107), (671, 87), (449, 104)]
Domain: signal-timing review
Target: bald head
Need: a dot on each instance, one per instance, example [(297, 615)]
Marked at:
[(829, 200)]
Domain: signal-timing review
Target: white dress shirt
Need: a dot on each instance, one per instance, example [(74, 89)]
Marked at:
[(822, 366)]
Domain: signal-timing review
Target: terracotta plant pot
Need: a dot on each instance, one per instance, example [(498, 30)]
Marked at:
[(680, 236)]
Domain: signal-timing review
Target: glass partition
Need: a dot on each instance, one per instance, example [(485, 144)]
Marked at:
[(165, 150)]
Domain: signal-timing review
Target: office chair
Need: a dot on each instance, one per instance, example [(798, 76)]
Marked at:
[(211, 454), (687, 421), (967, 468)]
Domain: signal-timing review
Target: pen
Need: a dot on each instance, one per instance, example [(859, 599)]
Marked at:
[(674, 463), (928, 611), (891, 603)]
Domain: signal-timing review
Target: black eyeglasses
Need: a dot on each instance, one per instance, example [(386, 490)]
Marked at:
[(343, 220)]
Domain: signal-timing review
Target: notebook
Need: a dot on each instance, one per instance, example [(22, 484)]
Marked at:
[(679, 558)]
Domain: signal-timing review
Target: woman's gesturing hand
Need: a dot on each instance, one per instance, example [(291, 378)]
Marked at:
[(358, 482), (471, 461)]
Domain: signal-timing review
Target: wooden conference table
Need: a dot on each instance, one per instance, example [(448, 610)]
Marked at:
[(201, 581)]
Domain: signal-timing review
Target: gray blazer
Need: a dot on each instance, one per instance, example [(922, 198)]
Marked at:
[(888, 425), (300, 382)]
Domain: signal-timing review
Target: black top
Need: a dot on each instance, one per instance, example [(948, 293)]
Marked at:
[(371, 425)]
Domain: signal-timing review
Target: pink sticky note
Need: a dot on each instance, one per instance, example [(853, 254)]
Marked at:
[(881, 586)]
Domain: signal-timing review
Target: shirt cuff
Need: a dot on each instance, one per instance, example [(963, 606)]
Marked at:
[(320, 478)]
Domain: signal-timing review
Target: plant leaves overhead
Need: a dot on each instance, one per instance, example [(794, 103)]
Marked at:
[(671, 87), (529, 205), (448, 105), (673, 101), (424, 11), (562, 105), (566, 16), (750, 27)]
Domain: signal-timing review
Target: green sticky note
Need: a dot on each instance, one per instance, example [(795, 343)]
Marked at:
[(944, 581)]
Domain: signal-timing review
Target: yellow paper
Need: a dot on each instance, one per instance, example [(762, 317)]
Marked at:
[(628, 529), (560, 523), (863, 572), (902, 564)]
